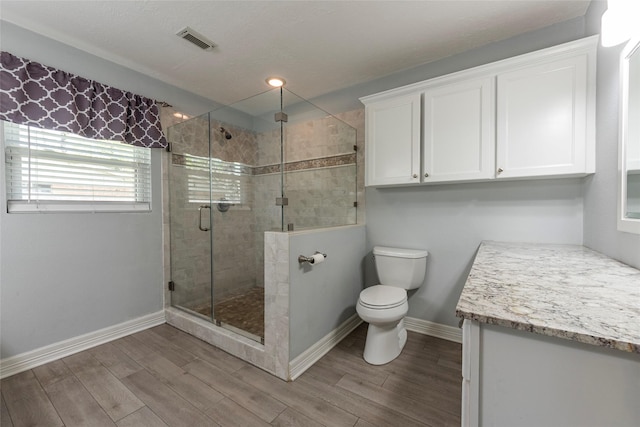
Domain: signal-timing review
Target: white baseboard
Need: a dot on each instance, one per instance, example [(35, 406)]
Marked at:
[(311, 355), (425, 327), (31, 359)]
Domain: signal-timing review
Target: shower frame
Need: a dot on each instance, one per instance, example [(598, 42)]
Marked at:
[(272, 353)]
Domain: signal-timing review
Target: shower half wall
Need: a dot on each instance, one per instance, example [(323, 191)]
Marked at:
[(226, 170)]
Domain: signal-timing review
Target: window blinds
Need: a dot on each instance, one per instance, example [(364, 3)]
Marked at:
[(212, 180), (52, 170)]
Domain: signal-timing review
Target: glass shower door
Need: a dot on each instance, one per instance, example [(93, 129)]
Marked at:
[(245, 184), (191, 217)]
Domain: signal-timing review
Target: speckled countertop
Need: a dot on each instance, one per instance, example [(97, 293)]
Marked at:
[(564, 291)]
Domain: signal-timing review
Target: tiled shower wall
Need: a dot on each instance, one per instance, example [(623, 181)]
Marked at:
[(234, 231), (320, 180), (320, 171)]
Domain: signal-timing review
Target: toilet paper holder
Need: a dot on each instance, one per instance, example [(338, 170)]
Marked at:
[(309, 259)]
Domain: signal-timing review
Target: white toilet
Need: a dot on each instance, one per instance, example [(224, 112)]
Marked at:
[(384, 306)]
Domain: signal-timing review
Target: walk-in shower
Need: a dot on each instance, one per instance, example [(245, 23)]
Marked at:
[(272, 162)]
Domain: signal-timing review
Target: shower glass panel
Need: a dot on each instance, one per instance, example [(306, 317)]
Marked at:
[(319, 167), (190, 216), (237, 172)]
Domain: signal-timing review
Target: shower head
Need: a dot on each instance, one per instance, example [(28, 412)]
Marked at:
[(226, 133)]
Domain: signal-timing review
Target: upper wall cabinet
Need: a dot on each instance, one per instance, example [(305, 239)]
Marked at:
[(458, 131), (395, 126), (530, 116), (542, 120)]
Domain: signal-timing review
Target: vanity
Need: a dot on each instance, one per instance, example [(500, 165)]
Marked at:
[(551, 337)]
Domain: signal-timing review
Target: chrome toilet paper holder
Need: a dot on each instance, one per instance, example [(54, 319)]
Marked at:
[(309, 259)]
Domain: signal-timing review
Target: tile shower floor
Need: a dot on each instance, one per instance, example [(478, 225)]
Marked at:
[(244, 311)]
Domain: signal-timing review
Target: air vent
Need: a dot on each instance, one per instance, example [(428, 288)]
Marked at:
[(196, 38)]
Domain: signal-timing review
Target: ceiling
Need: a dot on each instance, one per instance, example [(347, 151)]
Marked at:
[(318, 46)]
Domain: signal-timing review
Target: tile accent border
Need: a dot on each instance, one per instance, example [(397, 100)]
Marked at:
[(40, 356), (318, 163), (322, 162)]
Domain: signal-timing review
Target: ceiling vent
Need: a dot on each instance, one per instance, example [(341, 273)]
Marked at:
[(196, 38)]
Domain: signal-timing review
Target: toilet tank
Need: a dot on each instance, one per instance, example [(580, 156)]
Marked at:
[(401, 268)]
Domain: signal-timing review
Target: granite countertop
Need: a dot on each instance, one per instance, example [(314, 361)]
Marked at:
[(564, 291)]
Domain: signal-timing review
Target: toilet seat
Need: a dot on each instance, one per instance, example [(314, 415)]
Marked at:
[(381, 297)]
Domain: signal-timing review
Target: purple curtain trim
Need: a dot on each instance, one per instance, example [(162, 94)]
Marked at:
[(36, 95)]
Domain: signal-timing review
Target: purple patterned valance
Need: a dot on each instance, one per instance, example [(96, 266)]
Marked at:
[(36, 95)]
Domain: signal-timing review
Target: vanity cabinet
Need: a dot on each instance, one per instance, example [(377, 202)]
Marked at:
[(550, 338), (517, 378), (531, 116)]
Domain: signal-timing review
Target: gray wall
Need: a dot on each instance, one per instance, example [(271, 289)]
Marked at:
[(323, 296), (600, 196), (63, 275), (451, 220)]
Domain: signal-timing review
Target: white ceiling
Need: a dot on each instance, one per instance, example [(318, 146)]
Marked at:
[(318, 46)]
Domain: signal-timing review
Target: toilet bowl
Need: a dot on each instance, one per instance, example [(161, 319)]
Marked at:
[(384, 306)]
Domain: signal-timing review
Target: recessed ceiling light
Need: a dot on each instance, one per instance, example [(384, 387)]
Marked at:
[(275, 81)]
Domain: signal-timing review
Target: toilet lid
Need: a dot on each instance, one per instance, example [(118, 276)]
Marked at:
[(381, 296)]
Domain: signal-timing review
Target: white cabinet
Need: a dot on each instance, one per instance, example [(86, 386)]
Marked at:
[(542, 120), (530, 116), (518, 378), (459, 131), (394, 125)]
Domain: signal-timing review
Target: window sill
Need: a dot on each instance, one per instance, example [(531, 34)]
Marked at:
[(76, 207)]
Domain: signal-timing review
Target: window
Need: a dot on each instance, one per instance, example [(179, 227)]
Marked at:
[(229, 181), (48, 170)]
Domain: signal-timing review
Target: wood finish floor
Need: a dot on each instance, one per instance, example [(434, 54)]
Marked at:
[(164, 377)]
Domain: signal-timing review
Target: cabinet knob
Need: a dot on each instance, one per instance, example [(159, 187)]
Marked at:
[(415, 175), (500, 170), (426, 175)]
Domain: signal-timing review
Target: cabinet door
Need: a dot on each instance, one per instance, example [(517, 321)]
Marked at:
[(459, 137), (470, 373), (542, 120), (393, 141)]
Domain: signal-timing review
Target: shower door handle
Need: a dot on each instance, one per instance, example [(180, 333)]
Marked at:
[(200, 209)]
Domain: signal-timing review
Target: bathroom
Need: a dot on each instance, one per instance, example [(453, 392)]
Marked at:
[(76, 253)]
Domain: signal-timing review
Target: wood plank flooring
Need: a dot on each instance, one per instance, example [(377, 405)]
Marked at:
[(164, 377)]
